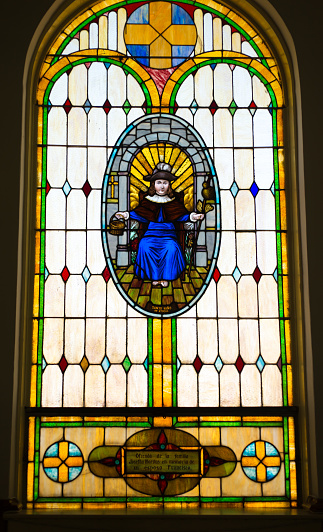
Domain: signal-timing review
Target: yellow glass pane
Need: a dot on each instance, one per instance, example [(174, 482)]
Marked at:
[(157, 341), (277, 504), (284, 253), (163, 421), (283, 216), (261, 418), (37, 251), (31, 439), (154, 153), (39, 166), (290, 384), (192, 419), (167, 341), (221, 418), (104, 506), (30, 482), (61, 419), (33, 385), (259, 67), (38, 206), (242, 23), (198, 21), (103, 32), (57, 506), (122, 19), (291, 438), (287, 341), (167, 385), (286, 295), (157, 385), (35, 342), (146, 159), (280, 102), (281, 168), (36, 296), (261, 45)]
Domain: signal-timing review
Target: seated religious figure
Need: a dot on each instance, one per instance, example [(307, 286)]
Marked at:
[(160, 256)]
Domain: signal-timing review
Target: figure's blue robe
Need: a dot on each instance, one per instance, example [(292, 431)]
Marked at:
[(160, 256)]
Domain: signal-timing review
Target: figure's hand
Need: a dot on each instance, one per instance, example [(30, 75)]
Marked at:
[(195, 217), (120, 215)]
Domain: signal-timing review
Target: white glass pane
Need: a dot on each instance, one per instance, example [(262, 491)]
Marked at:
[(93, 35), (116, 340), (103, 32), (73, 386), (265, 210), (97, 161), (76, 166), (97, 134), (95, 257), (223, 128), (185, 94), (112, 31), (245, 210), (217, 34), (243, 167), (58, 94), (242, 128), (94, 210), (77, 85), (250, 386), (73, 46), (206, 307), (187, 386), (268, 297), (57, 126), (242, 92), (223, 85), (97, 91), (261, 95), (116, 124), (227, 211), (263, 130), (236, 42), (76, 208), (227, 297), (75, 296), (137, 340), (203, 122), (228, 341), (249, 340), (117, 82), (95, 296), (266, 251), (246, 252), (186, 340), (229, 386), (137, 386), (77, 126), (208, 381), (53, 340), (227, 257), (75, 251), (247, 49), (56, 165), (54, 296), (52, 386), (208, 33), (74, 341), (116, 386), (247, 297), (223, 160), (204, 86), (133, 114), (264, 167), (95, 340), (185, 114), (271, 386), (207, 341), (116, 305), (226, 32), (136, 96), (269, 340), (55, 251), (94, 386)]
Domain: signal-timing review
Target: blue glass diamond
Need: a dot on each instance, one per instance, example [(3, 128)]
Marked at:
[(260, 363), (236, 274), (66, 188), (270, 108), (105, 364), (49, 105), (178, 364), (254, 189), (272, 188), (87, 106), (44, 364), (218, 364), (276, 275), (107, 65), (193, 107), (234, 189), (46, 273), (146, 364), (86, 274)]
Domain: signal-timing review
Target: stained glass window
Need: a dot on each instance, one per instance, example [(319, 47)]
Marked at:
[(161, 366)]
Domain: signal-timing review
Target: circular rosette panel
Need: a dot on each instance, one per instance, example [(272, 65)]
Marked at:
[(63, 461), (261, 461), (161, 248)]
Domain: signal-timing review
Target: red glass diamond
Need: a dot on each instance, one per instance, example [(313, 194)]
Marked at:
[(47, 187), (88, 65), (239, 364), (257, 275), (175, 107), (144, 106), (252, 105), (106, 274), (197, 364), (63, 364), (162, 484), (279, 363), (67, 106), (216, 275), (106, 106), (65, 274), (162, 440), (213, 107), (86, 188)]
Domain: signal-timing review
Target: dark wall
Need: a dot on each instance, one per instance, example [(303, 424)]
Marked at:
[(19, 22)]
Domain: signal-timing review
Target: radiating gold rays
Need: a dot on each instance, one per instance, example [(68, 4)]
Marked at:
[(146, 161)]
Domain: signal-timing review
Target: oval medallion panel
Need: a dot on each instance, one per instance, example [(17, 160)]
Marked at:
[(161, 215)]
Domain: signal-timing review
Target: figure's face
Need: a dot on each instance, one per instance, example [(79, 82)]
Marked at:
[(161, 186)]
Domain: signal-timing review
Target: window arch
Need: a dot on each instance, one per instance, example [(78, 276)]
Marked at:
[(91, 349)]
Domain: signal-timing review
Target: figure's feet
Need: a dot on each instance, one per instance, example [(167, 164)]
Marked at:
[(155, 283), (164, 283)]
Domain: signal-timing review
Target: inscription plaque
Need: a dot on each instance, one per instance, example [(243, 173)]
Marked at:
[(182, 462)]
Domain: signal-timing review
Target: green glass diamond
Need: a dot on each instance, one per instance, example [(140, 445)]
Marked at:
[(126, 364), (233, 107), (126, 107)]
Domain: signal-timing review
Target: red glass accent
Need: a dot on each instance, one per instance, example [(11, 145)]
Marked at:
[(106, 106), (257, 275), (88, 65), (63, 364), (162, 484), (67, 106), (47, 187), (162, 440), (106, 274), (144, 106), (216, 461), (279, 363), (216, 275), (252, 105), (107, 461), (175, 107), (213, 107), (65, 274), (197, 364), (86, 188), (239, 364)]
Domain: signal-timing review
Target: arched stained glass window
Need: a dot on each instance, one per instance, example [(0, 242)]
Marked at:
[(161, 365)]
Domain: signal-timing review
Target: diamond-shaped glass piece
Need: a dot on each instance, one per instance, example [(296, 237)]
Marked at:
[(213, 107), (197, 364), (252, 107), (257, 274), (65, 274), (48, 187), (63, 364), (275, 274), (84, 364), (49, 105), (66, 188), (87, 188), (126, 364), (46, 273), (86, 274), (87, 106), (270, 108), (232, 66), (218, 364), (106, 274), (279, 363), (239, 364), (67, 106), (260, 363), (105, 364), (106, 106), (146, 364), (233, 107), (234, 189), (126, 107), (193, 107), (236, 274), (272, 189), (254, 189), (44, 363), (216, 275), (178, 363)]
